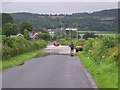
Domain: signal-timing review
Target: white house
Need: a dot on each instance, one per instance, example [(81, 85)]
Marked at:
[(69, 29), (20, 35), (50, 31)]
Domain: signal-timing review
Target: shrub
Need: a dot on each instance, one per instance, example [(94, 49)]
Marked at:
[(44, 36), (26, 34), (102, 49), (13, 46), (89, 35)]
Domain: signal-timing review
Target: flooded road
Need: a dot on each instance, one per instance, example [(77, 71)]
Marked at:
[(57, 69)]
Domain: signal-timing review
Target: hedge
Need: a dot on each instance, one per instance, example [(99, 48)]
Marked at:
[(12, 46)]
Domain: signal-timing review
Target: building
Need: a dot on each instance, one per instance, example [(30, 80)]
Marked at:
[(33, 34), (20, 35), (71, 29), (50, 31)]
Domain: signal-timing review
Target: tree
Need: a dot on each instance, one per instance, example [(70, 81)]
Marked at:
[(9, 29), (58, 33), (44, 36), (74, 34), (26, 34), (106, 20), (25, 25), (89, 35), (43, 30), (6, 18)]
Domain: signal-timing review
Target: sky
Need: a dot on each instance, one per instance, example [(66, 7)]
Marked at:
[(57, 7), (59, 0)]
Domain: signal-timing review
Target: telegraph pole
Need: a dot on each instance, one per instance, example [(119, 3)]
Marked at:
[(77, 28)]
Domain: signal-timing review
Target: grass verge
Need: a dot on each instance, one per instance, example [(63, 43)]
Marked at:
[(105, 74), (17, 60)]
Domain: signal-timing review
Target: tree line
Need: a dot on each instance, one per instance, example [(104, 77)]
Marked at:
[(10, 27), (106, 20), (13, 46)]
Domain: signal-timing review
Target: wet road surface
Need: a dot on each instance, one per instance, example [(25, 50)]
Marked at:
[(57, 70)]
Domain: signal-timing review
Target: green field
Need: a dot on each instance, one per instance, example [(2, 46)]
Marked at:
[(103, 33)]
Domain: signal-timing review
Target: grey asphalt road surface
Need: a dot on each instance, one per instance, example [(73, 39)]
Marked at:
[(53, 71)]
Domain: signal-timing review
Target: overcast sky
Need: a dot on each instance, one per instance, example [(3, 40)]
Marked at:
[(56, 7), (60, 0)]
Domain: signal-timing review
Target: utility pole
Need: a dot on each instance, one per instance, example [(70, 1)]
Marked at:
[(71, 33), (77, 33)]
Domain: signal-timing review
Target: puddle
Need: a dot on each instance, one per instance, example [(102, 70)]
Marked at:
[(42, 54), (21, 64)]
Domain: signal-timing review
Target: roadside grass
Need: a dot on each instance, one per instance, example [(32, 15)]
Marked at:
[(105, 73), (17, 60)]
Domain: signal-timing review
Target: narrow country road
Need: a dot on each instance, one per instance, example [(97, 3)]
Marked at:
[(57, 70)]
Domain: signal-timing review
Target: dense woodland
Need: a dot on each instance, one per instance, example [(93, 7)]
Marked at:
[(105, 20)]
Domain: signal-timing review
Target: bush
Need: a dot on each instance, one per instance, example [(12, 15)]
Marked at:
[(100, 56), (26, 34), (102, 49), (13, 46), (75, 41), (105, 74), (89, 35), (44, 36), (9, 29)]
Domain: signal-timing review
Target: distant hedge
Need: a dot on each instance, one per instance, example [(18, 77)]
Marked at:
[(12, 46), (76, 42)]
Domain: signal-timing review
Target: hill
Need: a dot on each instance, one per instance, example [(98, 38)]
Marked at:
[(105, 20)]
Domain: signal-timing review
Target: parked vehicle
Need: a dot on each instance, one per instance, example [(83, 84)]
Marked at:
[(56, 44), (79, 48)]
